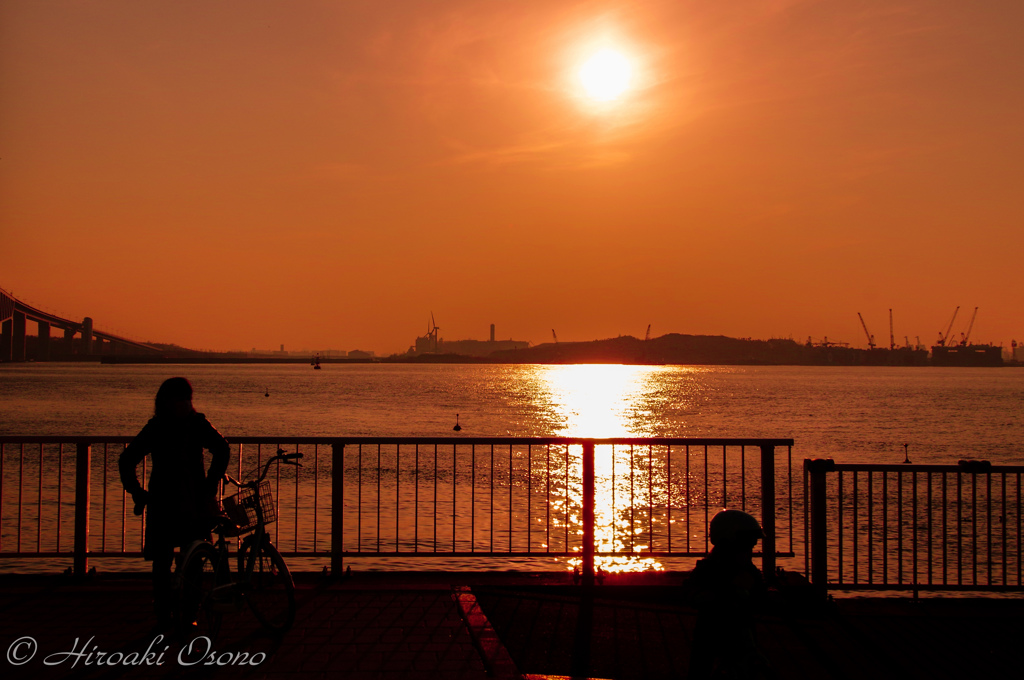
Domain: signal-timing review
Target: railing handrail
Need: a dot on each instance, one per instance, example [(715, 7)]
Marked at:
[(925, 467), (598, 441)]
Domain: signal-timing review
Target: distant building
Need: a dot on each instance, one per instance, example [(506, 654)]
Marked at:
[(359, 354), (431, 344), (967, 355)]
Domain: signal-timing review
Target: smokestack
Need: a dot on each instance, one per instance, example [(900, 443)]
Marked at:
[(492, 332)]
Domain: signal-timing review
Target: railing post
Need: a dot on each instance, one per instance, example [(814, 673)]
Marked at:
[(83, 467), (337, 508), (819, 519), (588, 513), (768, 512)]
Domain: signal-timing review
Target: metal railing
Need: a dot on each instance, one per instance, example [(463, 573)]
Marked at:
[(591, 500), (914, 527)]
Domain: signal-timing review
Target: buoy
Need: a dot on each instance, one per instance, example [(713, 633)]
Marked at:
[(267, 393), (906, 456), (457, 428)]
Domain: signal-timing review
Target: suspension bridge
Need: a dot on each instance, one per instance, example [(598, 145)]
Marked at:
[(81, 340)]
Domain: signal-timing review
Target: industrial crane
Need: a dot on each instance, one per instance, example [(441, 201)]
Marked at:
[(964, 337), (647, 336), (871, 338), (944, 338), (553, 335)]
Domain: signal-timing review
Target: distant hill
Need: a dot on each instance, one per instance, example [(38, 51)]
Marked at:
[(676, 348)]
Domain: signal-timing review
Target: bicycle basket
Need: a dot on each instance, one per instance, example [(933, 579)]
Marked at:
[(241, 507)]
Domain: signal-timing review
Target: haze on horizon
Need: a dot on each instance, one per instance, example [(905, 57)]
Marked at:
[(230, 174)]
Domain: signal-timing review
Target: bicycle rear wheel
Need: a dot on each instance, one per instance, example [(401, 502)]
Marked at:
[(271, 591), (200, 574)]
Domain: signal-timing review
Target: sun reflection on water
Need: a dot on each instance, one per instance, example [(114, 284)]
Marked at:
[(596, 400), (602, 400)]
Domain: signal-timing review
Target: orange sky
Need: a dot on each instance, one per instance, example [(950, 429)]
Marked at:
[(230, 175)]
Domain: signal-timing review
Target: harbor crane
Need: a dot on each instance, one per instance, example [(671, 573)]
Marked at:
[(647, 336), (964, 337), (554, 335), (945, 338), (871, 338)]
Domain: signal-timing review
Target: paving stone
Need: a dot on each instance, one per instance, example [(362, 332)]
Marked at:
[(402, 632)]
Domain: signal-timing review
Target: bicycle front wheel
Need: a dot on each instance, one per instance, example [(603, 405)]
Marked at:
[(271, 591), (200, 574)]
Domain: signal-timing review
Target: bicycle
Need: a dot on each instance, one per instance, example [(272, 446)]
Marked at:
[(207, 590)]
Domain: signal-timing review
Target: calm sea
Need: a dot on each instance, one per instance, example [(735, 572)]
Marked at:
[(852, 414)]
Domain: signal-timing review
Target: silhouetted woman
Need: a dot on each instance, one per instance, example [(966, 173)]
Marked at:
[(182, 493)]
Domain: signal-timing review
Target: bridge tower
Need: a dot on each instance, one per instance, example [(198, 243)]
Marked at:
[(43, 341), (6, 325), (6, 328), (87, 336), (18, 336)]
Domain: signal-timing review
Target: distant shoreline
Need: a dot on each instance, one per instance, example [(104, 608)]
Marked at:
[(668, 350), (458, 359), (115, 359)]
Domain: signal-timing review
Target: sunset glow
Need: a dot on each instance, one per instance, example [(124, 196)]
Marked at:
[(325, 176)]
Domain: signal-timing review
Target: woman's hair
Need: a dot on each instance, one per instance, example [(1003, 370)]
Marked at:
[(171, 391)]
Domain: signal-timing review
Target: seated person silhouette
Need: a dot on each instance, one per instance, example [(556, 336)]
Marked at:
[(182, 493), (726, 588)]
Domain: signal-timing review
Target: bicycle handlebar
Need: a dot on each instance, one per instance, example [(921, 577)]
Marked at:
[(287, 458)]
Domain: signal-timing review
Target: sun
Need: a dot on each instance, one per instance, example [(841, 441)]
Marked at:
[(606, 75)]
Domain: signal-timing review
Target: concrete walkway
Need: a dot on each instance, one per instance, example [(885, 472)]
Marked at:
[(644, 633), (372, 627), (503, 625)]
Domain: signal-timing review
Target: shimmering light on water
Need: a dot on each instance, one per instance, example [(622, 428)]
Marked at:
[(595, 400), (600, 400)]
